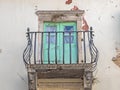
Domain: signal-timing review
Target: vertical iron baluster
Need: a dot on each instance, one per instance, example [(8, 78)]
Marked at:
[(91, 33), (84, 46), (70, 46), (41, 48), (30, 47), (91, 43), (48, 47), (35, 48), (77, 47), (63, 48), (55, 47), (30, 52), (28, 35)]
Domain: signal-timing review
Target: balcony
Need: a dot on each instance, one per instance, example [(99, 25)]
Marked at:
[(60, 51), (44, 51), (48, 57)]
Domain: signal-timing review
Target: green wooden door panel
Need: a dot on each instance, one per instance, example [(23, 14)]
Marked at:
[(70, 47), (49, 40)]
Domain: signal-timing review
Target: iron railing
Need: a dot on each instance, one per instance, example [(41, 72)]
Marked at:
[(85, 50)]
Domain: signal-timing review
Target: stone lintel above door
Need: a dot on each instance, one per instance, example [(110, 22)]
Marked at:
[(60, 16)]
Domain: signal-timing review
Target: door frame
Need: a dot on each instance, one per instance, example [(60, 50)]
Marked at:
[(62, 16)]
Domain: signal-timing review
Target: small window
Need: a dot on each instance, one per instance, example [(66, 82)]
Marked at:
[(51, 28), (68, 37), (51, 37), (68, 28)]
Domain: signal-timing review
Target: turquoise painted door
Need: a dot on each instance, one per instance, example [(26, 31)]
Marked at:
[(69, 48), (61, 47), (50, 49)]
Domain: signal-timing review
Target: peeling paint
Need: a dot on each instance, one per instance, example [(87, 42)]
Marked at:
[(75, 8), (99, 18), (68, 2), (84, 22), (116, 59), (113, 17)]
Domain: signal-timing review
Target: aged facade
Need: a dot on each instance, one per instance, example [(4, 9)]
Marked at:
[(17, 15)]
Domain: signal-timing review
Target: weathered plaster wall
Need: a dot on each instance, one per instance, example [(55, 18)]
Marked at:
[(17, 15)]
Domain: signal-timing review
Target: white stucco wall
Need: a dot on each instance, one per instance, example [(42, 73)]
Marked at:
[(17, 15)]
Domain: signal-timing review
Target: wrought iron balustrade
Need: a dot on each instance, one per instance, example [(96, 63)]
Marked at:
[(39, 41)]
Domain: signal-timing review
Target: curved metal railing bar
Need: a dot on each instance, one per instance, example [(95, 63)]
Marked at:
[(93, 50), (28, 50)]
